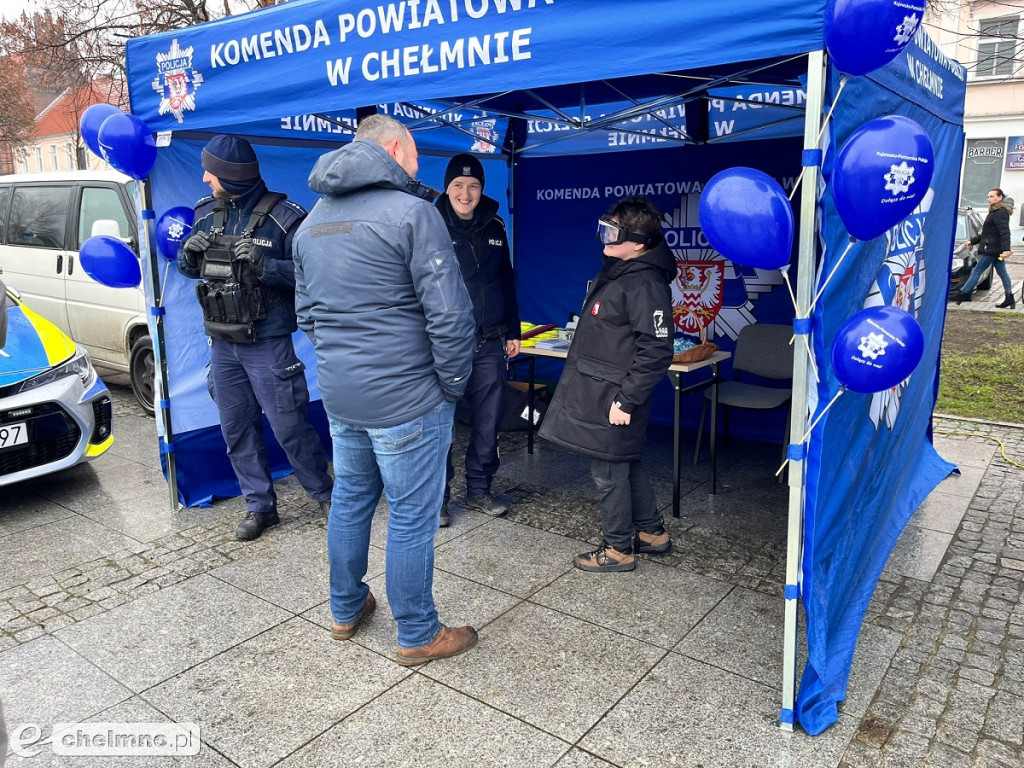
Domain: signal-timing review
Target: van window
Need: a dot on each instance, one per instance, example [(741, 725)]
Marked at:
[(38, 216), (5, 194), (101, 204)]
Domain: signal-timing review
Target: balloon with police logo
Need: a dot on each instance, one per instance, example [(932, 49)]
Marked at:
[(109, 261), (90, 123), (128, 145), (881, 174), (876, 349), (172, 229), (863, 35), (747, 218)]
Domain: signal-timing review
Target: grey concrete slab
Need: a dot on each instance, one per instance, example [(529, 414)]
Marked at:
[(148, 640), (918, 553), (689, 713), (577, 758), (546, 468), (508, 556), (55, 546), (941, 512), (131, 711), (964, 484), (654, 603), (22, 509), (964, 451), (752, 511), (553, 671), (744, 635), (458, 601), (420, 724), (44, 682), (289, 568), (236, 697)]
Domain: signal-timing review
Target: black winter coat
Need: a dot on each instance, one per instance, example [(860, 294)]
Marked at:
[(621, 349), (482, 247), (995, 231)]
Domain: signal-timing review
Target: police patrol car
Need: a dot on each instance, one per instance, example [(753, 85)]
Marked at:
[(55, 411)]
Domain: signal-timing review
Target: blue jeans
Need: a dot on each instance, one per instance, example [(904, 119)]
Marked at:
[(984, 260), (407, 462)]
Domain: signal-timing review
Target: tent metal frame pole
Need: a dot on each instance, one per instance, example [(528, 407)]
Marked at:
[(147, 246), (798, 411)]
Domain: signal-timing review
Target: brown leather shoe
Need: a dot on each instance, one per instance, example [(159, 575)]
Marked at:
[(652, 543), (605, 559), (450, 641), (346, 631)]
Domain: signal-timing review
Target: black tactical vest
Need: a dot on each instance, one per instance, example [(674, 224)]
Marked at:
[(230, 295)]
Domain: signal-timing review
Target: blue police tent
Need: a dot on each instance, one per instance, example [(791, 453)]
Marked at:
[(580, 103)]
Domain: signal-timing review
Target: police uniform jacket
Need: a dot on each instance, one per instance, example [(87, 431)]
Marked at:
[(378, 291), (621, 349), (481, 244), (274, 236)]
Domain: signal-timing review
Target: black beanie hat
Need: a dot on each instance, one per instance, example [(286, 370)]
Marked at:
[(234, 163), (464, 165)]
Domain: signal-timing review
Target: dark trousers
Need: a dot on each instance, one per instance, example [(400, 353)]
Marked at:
[(485, 402), (248, 380), (627, 501)]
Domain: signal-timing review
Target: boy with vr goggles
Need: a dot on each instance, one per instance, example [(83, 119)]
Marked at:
[(621, 349)]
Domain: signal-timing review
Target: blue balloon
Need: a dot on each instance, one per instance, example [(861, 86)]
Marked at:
[(127, 144), (90, 123), (876, 349), (109, 261), (172, 229), (747, 218), (881, 174), (863, 35)]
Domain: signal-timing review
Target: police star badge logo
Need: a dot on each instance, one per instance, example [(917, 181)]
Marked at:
[(176, 81)]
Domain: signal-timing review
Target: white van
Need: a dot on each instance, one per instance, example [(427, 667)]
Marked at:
[(44, 219)]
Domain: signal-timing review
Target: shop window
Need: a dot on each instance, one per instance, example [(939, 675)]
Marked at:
[(983, 168)]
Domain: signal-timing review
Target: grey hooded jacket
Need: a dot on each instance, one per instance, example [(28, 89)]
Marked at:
[(378, 291)]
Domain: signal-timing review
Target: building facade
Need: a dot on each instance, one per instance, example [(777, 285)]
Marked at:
[(987, 38)]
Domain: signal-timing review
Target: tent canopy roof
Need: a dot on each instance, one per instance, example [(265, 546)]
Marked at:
[(514, 57)]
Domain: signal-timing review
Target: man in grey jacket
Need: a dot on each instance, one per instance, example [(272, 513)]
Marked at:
[(378, 291)]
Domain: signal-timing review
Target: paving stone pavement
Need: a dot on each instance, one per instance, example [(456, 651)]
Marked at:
[(113, 608)]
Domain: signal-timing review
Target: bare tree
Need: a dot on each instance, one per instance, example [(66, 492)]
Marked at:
[(994, 38), (87, 37), (17, 117)]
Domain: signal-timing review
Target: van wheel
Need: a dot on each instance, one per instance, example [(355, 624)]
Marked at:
[(986, 284), (142, 367)]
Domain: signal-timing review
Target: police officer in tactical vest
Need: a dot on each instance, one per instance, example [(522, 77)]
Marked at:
[(240, 253)]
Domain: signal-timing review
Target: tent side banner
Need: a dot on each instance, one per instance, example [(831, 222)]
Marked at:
[(308, 56), (860, 498)]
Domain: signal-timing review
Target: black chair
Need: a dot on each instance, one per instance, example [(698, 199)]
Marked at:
[(761, 350)]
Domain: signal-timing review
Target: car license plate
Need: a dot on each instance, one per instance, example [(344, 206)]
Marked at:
[(13, 434)]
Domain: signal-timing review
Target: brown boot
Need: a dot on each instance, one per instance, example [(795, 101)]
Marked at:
[(450, 641), (652, 543), (607, 558), (346, 631)]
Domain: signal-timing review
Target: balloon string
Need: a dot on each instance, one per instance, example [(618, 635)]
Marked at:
[(807, 343), (830, 275), (824, 125), (167, 267), (811, 428)]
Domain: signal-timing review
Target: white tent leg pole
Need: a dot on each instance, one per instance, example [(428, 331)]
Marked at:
[(798, 413), (147, 247)]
